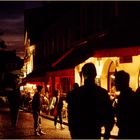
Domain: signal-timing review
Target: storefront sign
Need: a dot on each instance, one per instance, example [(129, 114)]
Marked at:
[(126, 59)]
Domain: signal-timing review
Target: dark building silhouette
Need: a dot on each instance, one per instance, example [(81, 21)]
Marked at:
[(8, 63), (58, 27)]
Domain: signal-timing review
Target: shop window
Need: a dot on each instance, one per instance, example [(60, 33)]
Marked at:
[(111, 78), (65, 84), (111, 82)]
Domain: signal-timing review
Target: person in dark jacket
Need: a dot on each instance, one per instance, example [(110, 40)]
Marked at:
[(125, 110), (136, 121), (58, 106), (36, 106), (90, 108)]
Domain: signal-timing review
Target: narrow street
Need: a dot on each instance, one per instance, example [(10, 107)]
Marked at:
[(25, 130), (79, 57)]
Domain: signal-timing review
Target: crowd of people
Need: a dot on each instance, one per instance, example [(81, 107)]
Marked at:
[(95, 100), (89, 98)]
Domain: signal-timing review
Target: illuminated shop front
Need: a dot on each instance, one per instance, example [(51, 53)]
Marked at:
[(27, 92), (60, 79), (30, 87), (109, 61), (106, 63)]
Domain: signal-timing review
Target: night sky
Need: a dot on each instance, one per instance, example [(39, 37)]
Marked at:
[(12, 25)]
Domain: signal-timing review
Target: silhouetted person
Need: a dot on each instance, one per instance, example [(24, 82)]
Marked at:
[(13, 94), (58, 106), (70, 108), (125, 108), (36, 107), (138, 91), (90, 108), (136, 115), (75, 87)]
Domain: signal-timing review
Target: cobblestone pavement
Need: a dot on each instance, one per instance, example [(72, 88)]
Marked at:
[(24, 129)]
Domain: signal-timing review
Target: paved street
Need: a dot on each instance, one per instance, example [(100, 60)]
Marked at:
[(24, 128)]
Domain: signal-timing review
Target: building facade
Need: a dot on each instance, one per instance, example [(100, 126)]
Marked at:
[(105, 33)]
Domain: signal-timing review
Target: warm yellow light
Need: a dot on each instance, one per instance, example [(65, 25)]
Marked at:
[(99, 67), (30, 86), (112, 76), (99, 70), (117, 93), (98, 76)]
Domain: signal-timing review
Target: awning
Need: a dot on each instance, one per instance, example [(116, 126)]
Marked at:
[(72, 59), (120, 40), (64, 73)]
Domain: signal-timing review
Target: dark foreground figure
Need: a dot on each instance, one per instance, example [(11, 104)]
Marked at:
[(89, 108), (127, 111)]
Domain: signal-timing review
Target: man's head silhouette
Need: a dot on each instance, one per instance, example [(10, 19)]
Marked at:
[(39, 88), (121, 80), (89, 71)]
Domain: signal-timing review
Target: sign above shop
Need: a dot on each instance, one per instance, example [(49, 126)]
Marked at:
[(126, 59)]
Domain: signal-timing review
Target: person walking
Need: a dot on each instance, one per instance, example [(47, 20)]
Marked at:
[(90, 108), (125, 110), (36, 106), (58, 106)]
